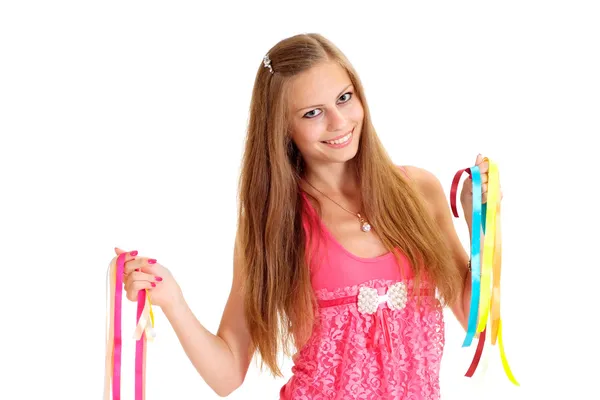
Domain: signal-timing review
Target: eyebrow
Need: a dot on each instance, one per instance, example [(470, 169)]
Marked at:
[(322, 105)]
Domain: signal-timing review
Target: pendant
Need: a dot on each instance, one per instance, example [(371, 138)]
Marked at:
[(364, 225)]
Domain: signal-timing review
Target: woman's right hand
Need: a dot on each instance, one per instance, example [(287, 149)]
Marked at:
[(145, 273)]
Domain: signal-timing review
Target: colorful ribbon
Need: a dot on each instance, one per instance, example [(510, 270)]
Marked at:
[(144, 331), (485, 274)]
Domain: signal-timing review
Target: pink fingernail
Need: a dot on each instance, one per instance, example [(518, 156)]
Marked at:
[(134, 253), (152, 261), (158, 278), (153, 284)]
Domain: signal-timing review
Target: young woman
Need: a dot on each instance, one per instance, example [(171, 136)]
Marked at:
[(342, 258)]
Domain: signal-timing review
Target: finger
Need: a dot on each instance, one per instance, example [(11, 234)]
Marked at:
[(128, 256), (134, 265), (484, 167), (479, 159), (484, 198), (484, 178), (135, 288), (140, 263), (141, 276), (483, 188)]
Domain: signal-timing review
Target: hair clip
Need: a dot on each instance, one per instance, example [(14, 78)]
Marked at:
[(267, 63)]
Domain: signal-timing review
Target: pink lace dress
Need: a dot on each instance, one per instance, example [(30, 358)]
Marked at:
[(371, 341)]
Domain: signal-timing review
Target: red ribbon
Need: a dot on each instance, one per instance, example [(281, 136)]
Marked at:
[(481, 340), (454, 189), (477, 355)]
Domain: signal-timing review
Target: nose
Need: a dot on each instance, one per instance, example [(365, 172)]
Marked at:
[(337, 120)]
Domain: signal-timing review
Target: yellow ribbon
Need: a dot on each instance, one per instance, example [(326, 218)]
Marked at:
[(146, 322), (489, 244), (505, 365), (491, 267), (495, 312)]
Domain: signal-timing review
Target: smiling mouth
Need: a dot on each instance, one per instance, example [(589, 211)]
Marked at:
[(340, 140)]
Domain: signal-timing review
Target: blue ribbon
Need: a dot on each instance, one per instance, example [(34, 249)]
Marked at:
[(476, 222)]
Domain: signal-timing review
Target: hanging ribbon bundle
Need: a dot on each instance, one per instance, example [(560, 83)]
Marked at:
[(485, 273), (144, 331)]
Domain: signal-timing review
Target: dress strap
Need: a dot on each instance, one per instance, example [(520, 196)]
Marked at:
[(404, 170)]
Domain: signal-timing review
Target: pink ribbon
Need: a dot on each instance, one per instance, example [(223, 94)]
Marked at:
[(140, 351), (116, 384), (379, 327)]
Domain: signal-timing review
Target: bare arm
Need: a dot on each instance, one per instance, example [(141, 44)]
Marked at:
[(431, 188), (222, 360)]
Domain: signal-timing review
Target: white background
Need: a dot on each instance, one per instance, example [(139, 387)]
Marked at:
[(122, 124)]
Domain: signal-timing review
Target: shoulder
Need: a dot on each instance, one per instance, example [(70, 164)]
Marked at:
[(428, 185), (424, 179)]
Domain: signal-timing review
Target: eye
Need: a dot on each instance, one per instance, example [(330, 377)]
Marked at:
[(349, 94), (310, 113)]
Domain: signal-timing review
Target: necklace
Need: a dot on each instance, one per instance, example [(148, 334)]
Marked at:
[(364, 225)]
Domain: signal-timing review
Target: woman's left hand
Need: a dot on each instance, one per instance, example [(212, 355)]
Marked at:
[(466, 195)]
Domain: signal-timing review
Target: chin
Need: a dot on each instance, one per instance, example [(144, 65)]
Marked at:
[(350, 152)]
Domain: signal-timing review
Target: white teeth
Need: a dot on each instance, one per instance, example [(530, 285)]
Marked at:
[(341, 140)]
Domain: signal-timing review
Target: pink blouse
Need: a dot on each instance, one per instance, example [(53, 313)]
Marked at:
[(371, 341)]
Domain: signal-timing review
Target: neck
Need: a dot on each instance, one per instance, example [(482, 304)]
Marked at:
[(338, 179)]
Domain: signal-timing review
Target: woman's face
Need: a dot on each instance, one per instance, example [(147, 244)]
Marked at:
[(324, 107)]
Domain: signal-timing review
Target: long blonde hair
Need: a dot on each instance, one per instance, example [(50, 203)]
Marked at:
[(279, 300)]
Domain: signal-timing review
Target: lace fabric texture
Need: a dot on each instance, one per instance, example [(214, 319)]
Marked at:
[(389, 354), (390, 350)]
